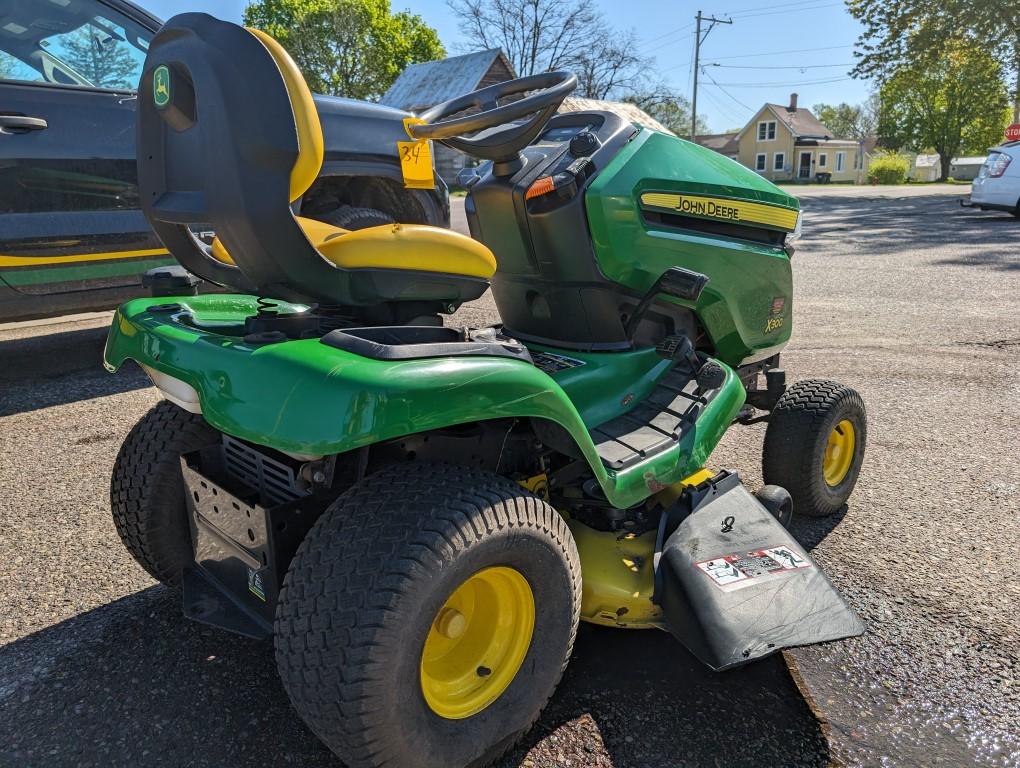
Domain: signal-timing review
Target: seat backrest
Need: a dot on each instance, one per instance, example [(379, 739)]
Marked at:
[(229, 136)]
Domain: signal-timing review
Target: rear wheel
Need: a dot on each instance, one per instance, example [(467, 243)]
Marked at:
[(428, 616), (814, 445), (147, 489), (351, 217)]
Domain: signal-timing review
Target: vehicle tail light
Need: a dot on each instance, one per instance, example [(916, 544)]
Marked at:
[(997, 164)]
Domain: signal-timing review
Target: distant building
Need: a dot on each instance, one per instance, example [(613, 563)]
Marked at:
[(965, 168), (422, 85), (723, 143), (788, 143), (924, 168)]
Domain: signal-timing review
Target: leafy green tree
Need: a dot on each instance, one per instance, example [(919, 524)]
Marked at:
[(353, 48), (670, 108), (954, 104), (101, 59), (849, 121), (909, 32)]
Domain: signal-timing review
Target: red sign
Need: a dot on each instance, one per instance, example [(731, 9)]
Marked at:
[(1013, 132)]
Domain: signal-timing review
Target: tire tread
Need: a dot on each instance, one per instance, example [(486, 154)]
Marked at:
[(394, 520)]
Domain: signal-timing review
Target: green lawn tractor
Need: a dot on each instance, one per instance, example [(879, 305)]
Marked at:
[(419, 514)]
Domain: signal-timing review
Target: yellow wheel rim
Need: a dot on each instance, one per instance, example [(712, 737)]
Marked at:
[(839, 453), (477, 642)]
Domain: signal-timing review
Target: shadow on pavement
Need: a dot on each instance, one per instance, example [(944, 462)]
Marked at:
[(58, 368), (134, 683), (811, 531), (903, 223)]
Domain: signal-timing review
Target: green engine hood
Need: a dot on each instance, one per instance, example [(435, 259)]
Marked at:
[(664, 202)]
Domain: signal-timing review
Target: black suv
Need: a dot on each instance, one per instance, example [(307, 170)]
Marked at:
[(72, 237)]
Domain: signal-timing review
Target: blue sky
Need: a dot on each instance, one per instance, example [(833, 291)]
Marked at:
[(809, 45)]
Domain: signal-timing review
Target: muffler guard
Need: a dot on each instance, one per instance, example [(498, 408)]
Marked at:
[(735, 586)]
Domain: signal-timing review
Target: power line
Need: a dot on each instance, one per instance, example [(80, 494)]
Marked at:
[(669, 43), (790, 66), (698, 40), (790, 10), (727, 93), (788, 82), (776, 53), (724, 108), (774, 6), (678, 29)]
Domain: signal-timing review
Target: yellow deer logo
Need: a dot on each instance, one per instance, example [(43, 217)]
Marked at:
[(161, 86)]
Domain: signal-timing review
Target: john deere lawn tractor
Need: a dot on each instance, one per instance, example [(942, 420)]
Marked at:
[(417, 513)]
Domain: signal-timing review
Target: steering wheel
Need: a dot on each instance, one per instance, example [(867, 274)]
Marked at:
[(498, 133)]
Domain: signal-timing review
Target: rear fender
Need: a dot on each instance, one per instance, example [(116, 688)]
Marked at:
[(307, 398)]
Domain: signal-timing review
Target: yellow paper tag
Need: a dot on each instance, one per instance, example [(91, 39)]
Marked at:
[(416, 160)]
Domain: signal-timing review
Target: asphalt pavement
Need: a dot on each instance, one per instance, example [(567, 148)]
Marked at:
[(899, 293)]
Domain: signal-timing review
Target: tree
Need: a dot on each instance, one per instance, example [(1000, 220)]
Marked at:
[(609, 65), (670, 108), (100, 58), (910, 32), (353, 48), (850, 121), (543, 35), (955, 103)]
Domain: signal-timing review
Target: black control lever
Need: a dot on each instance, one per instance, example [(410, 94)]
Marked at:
[(675, 281)]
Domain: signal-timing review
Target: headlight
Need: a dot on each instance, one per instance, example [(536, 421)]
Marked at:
[(175, 390)]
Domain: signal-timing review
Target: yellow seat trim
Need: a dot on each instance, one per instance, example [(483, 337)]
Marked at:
[(306, 118), (410, 247), (316, 231)]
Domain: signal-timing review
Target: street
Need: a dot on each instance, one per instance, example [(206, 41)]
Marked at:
[(900, 293)]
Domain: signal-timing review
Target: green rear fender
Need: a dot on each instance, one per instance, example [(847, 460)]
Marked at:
[(307, 398)]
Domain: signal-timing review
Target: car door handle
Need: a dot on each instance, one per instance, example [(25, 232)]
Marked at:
[(21, 124)]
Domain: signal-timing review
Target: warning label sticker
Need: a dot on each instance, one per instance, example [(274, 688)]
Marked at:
[(736, 571), (550, 363)]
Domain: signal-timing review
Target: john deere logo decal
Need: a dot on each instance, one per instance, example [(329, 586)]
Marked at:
[(161, 86), (742, 211)]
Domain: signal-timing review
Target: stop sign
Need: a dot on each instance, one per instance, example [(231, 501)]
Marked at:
[(1013, 132)]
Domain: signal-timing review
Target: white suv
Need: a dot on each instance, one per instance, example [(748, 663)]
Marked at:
[(997, 186)]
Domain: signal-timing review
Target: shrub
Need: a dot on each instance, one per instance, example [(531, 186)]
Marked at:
[(888, 168)]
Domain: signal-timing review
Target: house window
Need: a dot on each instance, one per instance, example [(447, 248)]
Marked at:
[(767, 130), (823, 160), (760, 161), (840, 161), (779, 161)]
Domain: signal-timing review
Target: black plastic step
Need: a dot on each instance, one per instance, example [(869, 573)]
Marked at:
[(654, 425)]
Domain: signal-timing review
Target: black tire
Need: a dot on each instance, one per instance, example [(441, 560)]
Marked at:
[(796, 439), (778, 501), (367, 583), (349, 217), (147, 490)]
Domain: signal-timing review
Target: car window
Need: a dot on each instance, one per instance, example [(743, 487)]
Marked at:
[(84, 44)]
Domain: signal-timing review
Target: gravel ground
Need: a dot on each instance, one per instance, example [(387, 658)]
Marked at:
[(908, 298)]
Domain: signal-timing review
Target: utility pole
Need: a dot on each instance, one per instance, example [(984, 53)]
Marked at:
[(698, 40)]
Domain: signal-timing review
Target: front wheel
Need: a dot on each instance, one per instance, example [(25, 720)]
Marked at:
[(814, 445), (147, 489), (427, 617)]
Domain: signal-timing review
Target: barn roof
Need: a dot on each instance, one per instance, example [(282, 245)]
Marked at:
[(725, 143), (423, 85)]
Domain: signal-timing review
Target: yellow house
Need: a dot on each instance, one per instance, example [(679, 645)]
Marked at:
[(788, 143)]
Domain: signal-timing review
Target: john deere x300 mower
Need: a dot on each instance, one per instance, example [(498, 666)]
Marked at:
[(419, 514)]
